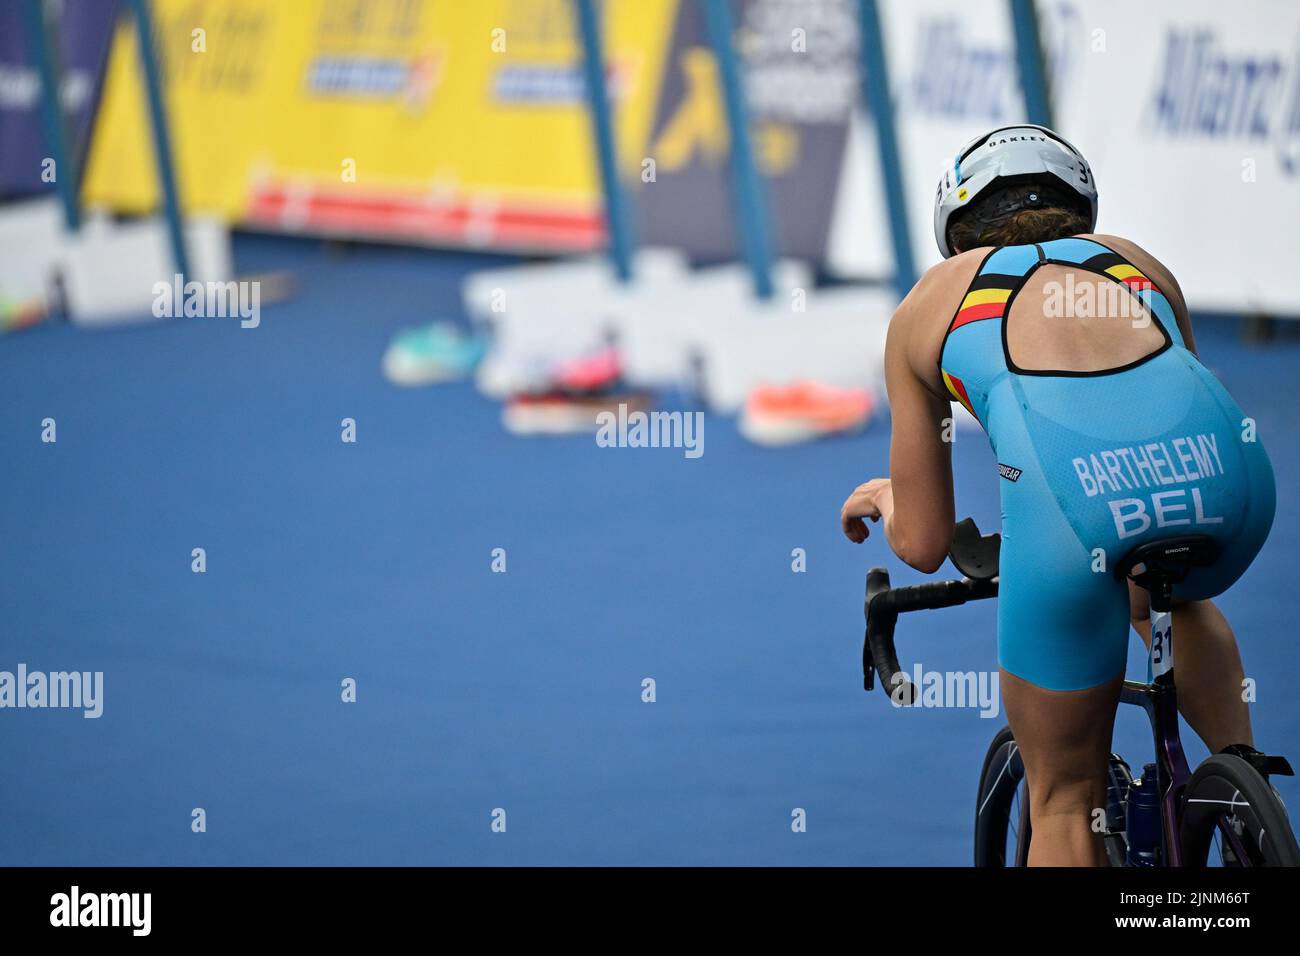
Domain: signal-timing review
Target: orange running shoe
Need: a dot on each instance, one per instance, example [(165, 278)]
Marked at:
[(802, 411)]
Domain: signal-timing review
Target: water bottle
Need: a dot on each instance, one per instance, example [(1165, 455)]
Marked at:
[(1143, 819)]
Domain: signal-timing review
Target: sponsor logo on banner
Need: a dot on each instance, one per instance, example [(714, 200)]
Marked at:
[(1206, 89), (957, 77), (373, 77), (549, 85)]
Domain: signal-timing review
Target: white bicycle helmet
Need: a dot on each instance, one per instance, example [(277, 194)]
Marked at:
[(1011, 154)]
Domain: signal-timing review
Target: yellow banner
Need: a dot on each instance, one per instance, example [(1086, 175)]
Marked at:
[(457, 123)]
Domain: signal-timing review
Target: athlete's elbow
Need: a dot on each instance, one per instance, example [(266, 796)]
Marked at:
[(918, 544), (926, 562), (926, 556)]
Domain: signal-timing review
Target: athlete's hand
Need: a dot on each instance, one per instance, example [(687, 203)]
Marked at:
[(871, 500)]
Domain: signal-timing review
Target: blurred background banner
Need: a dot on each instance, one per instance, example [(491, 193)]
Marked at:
[(799, 108), (354, 125), (1193, 106), (82, 29)]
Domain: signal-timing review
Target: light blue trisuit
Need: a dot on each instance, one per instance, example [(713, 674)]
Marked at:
[(1092, 464)]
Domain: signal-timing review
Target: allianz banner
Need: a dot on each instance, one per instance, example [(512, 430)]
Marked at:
[(445, 123), (1188, 111)]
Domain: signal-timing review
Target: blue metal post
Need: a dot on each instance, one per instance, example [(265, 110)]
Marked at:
[(1033, 70), (875, 91), (56, 135), (161, 140), (620, 235), (746, 183)]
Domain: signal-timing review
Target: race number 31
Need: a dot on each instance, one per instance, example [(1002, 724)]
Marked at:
[(1162, 644)]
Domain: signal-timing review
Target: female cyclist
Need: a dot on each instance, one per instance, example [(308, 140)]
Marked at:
[(1075, 353)]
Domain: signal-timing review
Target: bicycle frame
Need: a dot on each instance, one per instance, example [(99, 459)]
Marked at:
[(1160, 701)]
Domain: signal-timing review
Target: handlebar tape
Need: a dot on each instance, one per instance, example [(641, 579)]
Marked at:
[(882, 607)]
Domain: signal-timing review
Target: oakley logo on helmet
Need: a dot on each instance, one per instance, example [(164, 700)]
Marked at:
[(1016, 139)]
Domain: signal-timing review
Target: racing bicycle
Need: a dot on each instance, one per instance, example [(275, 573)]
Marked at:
[(1225, 813)]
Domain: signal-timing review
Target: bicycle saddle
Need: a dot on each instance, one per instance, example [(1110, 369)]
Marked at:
[(1172, 557), (973, 554)]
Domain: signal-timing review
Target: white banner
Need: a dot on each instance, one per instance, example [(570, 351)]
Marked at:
[(1188, 111)]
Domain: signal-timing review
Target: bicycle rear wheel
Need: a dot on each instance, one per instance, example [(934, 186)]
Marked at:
[(1231, 817), (1001, 809)]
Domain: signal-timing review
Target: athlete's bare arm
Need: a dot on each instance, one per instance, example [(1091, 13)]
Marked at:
[(916, 501)]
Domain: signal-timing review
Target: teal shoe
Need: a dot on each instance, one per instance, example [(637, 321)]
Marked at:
[(438, 352)]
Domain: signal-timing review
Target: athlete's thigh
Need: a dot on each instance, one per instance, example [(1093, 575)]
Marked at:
[(1063, 617)]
